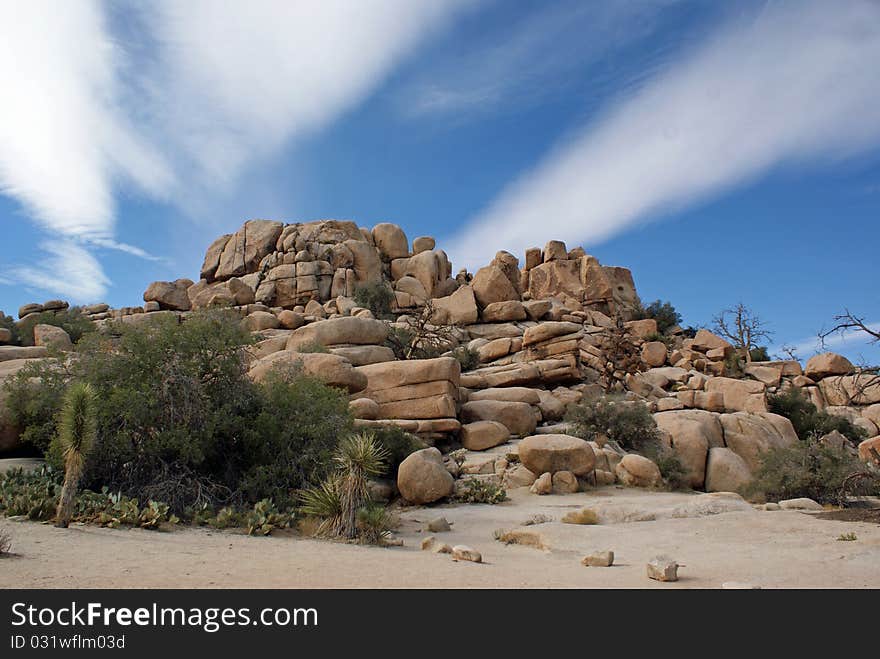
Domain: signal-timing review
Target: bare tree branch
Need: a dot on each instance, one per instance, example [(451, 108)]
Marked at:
[(742, 327)]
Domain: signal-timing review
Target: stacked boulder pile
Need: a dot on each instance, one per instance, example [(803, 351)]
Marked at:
[(546, 333)]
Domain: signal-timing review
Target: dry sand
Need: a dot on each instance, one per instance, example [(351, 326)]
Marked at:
[(776, 549)]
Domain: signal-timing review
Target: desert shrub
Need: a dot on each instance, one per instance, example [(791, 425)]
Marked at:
[(375, 296), (178, 420), (629, 423), (476, 490), (809, 469), (663, 338), (671, 469), (70, 320), (759, 354), (398, 444), (467, 357), (8, 322), (808, 421), (5, 543), (374, 523), (664, 313)]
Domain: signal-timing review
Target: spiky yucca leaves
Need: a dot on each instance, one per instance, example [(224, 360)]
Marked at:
[(77, 428), (357, 458), (374, 523), (324, 503), (339, 498)]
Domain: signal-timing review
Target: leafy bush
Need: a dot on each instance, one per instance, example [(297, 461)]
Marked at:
[(375, 296), (664, 313), (467, 357), (663, 338), (807, 420), (476, 490), (759, 354), (313, 346), (8, 322), (671, 469), (398, 444), (70, 320), (178, 420), (809, 469), (629, 423), (374, 523)]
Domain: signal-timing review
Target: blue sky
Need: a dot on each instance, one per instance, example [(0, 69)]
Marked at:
[(724, 152)]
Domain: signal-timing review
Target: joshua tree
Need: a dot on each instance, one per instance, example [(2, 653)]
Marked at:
[(743, 328), (77, 428)]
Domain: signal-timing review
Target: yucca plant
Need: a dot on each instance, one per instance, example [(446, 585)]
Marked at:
[(339, 498), (357, 458), (77, 428)]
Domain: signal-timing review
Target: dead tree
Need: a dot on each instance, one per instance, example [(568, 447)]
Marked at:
[(742, 327), (866, 377)]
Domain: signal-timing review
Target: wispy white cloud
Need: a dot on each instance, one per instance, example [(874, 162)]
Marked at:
[(179, 106), (63, 140), (69, 270), (790, 84), (236, 85), (528, 58)]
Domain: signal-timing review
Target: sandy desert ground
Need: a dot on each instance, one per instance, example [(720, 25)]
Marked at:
[(767, 549)]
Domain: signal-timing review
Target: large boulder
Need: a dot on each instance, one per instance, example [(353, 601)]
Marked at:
[(422, 478), (503, 312), (460, 308), (333, 370), (858, 389), (638, 471), (511, 394), (391, 241), (692, 434), (8, 353), (364, 355), (740, 395), (390, 375), (750, 435), (340, 331), (212, 258), (52, 337), (828, 363), (519, 418), (704, 341), (552, 452), (170, 294), (232, 292), (243, 251), (726, 471), (480, 435), (549, 330), (491, 284), (654, 353)]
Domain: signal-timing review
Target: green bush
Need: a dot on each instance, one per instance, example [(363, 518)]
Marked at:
[(8, 322), (476, 490), (629, 423), (807, 420), (467, 357), (70, 320), (375, 296), (398, 444), (664, 313), (809, 469), (759, 354), (671, 469), (179, 421)]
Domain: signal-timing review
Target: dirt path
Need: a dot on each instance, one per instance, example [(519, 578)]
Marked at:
[(767, 549)]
